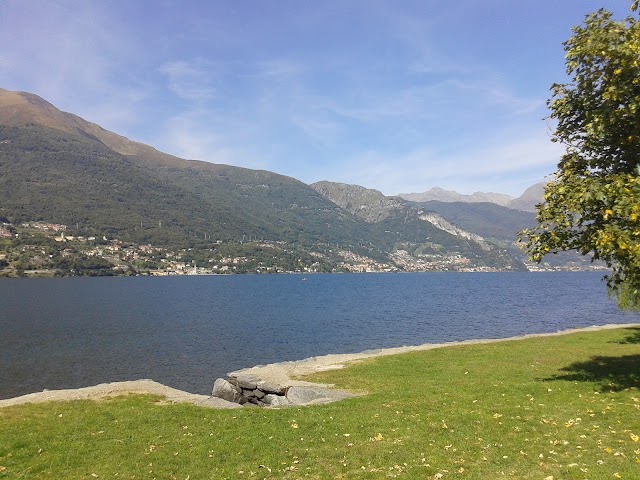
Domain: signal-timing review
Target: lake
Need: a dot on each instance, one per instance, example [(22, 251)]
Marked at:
[(187, 331)]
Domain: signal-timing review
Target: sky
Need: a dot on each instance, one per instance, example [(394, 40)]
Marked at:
[(396, 95)]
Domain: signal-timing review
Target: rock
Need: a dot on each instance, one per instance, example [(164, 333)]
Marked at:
[(249, 382), (250, 390), (268, 387), (306, 395), (276, 400), (248, 393), (225, 390), (302, 395)]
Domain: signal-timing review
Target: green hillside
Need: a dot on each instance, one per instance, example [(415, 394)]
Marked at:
[(488, 220), (76, 180)]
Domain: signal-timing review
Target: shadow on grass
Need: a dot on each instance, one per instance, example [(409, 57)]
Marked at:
[(612, 373), (634, 337)]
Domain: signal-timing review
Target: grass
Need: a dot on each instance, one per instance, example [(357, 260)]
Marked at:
[(566, 407)]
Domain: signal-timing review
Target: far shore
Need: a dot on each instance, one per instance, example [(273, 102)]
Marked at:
[(283, 373)]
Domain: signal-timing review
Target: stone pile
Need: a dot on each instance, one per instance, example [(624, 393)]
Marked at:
[(250, 390)]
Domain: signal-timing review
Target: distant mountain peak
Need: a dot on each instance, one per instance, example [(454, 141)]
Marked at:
[(526, 202), (442, 195), (22, 108), (529, 199), (366, 203)]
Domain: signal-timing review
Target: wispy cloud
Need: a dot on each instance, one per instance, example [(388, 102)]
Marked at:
[(198, 134), (322, 133), (491, 93), (279, 69), (191, 80), (73, 54), (498, 165)]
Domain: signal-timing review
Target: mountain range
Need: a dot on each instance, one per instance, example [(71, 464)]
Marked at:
[(526, 202), (58, 167)]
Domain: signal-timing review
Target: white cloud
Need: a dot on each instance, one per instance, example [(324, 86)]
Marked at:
[(320, 132), (197, 134), (491, 93), (498, 166), (190, 80), (279, 69)]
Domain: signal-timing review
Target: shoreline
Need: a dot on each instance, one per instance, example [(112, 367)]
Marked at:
[(281, 373)]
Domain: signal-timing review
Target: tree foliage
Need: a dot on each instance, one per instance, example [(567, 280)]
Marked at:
[(592, 204)]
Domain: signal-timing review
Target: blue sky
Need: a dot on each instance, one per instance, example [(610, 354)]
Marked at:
[(397, 95)]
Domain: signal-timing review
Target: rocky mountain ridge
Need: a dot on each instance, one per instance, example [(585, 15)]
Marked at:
[(525, 202), (442, 195)]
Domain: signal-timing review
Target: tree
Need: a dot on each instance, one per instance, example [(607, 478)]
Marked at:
[(592, 203)]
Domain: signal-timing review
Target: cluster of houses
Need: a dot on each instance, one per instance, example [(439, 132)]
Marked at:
[(127, 257)]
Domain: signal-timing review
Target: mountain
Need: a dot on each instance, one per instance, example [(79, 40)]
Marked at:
[(441, 195), (57, 167), (22, 108), (488, 220), (370, 205), (529, 199), (406, 222), (478, 220), (526, 202)]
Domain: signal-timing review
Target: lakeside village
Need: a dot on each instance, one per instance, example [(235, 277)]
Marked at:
[(50, 249)]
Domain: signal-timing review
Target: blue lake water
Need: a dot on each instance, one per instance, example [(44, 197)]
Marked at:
[(187, 331)]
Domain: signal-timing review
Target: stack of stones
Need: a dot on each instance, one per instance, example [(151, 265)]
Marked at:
[(247, 389), (250, 389)]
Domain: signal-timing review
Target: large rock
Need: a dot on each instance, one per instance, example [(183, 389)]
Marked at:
[(248, 393), (225, 390), (249, 389), (276, 400), (247, 382), (269, 387), (253, 382), (307, 395)]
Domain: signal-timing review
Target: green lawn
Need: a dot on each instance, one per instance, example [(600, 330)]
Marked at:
[(566, 407)]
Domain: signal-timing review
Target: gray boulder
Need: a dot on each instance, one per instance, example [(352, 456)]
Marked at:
[(225, 390), (268, 387), (307, 395), (276, 400), (247, 382)]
